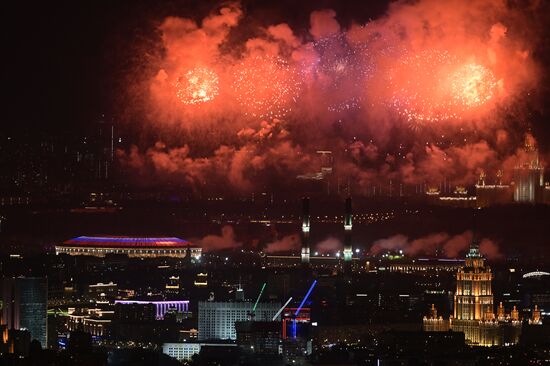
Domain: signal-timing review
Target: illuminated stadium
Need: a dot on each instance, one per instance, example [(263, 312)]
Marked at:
[(99, 246)]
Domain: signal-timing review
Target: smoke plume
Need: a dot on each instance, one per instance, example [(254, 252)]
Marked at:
[(286, 244), (226, 240), (329, 245), (430, 91), (432, 244)]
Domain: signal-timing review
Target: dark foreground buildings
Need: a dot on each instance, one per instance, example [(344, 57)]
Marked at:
[(24, 306)]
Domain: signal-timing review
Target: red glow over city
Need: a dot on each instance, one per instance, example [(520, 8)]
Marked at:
[(446, 82)]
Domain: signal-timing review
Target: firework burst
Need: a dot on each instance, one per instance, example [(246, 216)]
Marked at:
[(433, 86), (198, 85), (342, 69), (473, 85), (266, 87)]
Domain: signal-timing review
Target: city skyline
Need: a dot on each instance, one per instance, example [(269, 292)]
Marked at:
[(144, 136), (275, 183)]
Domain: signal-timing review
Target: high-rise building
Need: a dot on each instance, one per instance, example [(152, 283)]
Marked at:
[(348, 248), (262, 338), (473, 307), (529, 175), (305, 230), (105, 134), (217, 319), (474, 297), (25, 305)]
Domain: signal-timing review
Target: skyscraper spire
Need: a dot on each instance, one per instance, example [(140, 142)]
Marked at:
[(473, 252), (474, 257)]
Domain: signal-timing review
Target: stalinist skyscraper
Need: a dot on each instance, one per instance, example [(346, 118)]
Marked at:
[(473, 300), (474, 297), (529, 175), (474, 309)]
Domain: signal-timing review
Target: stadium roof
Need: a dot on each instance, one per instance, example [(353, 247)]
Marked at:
[(127, 242), (536, 274)]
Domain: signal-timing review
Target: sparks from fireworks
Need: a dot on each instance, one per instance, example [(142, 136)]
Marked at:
[(266, 87), (340, 69), (473, 84), (198, 85), (433, 85)]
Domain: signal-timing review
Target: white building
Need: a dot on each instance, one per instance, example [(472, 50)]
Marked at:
[(217, 319), (185, 351)]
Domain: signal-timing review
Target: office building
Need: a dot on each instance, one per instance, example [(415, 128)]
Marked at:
[(186, 350), (263, 338), (217, 319), (25, 305), (159, 308)]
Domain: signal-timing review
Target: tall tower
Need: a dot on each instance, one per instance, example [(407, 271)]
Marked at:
[(305, 230), (473, 300), (25, 305), (348, 248), (529, 174), (473, 306), (474, 297)]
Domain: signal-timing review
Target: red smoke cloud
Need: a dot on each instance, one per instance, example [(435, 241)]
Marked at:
[(450, 246), (427, 244), (457, 244), (490, 249), (226, 240), (286, 244), (329, 245), (394, 242), (267, 150), (422, 94), (323, 23)]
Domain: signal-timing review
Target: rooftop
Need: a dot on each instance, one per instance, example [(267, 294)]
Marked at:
[(127, 242)]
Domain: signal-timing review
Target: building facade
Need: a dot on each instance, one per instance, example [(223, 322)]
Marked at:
[(473, 312), (159, 308), (99, 246), (96, 322), (529, 175), (185, 351), (25, 306), (217, 319)]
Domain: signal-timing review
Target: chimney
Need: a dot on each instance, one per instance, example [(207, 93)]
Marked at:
[(348, 249), (305, 230)]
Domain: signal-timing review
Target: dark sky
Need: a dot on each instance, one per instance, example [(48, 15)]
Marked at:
[(62, 60)]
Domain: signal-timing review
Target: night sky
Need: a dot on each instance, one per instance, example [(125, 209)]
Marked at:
[(63, 59), (68, 63)]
